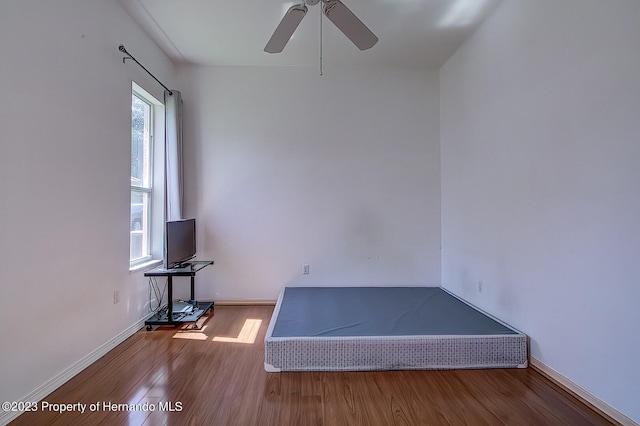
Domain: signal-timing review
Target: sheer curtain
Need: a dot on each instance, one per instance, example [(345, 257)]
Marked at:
[(173, 155)]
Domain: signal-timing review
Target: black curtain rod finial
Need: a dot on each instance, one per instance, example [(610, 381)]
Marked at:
[(122, 49)]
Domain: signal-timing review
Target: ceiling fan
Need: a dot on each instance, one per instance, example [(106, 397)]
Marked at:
[(336, 11)]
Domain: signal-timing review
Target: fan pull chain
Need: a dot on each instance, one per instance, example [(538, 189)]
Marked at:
[(321, 39)]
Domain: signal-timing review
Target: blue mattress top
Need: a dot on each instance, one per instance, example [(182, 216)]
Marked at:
[(379, 311)]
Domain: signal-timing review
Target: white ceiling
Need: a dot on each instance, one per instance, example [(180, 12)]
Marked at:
[(414, 34)]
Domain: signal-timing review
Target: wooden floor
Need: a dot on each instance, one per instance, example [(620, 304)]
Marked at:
[(215, 376)]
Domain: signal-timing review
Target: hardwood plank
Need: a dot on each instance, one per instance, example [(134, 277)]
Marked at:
[(223, 382)]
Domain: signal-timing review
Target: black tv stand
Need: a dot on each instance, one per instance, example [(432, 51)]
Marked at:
[(166, 316)]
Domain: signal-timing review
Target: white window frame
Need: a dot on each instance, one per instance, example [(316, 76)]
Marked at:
[(154, 219)]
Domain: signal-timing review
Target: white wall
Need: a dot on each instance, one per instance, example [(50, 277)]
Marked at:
[(540, 143), (286, 167), (64, 183)]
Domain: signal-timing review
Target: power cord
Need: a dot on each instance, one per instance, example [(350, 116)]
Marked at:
[(153, 286)]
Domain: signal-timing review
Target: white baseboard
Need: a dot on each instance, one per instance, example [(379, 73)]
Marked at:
[(245, 302), (55, 382), (581, 393)]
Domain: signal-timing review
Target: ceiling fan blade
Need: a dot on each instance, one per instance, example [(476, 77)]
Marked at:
[(285, 29), (349, 24)]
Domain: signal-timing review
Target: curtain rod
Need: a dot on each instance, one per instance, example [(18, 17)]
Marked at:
[(123, 50)]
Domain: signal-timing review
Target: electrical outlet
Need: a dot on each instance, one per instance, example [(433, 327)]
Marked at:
[(305, 269), (116, 296)]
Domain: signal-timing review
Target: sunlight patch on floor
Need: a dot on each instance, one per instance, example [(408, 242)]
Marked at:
[(247, 334), (194, 334)]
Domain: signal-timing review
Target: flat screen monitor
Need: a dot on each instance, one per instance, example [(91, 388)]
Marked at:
[(180, 243)]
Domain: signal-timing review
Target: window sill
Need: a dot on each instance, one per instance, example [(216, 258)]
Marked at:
[(145, 265)]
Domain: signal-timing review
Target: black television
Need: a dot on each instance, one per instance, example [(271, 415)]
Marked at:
[(180, 243)]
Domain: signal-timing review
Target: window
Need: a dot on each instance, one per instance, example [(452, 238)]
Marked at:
[(144, 197)]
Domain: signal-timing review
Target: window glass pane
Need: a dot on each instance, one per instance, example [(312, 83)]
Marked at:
[(143, 109), (137, 210), (140, 142), (139, 227)]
